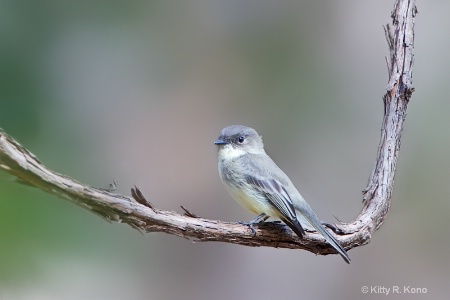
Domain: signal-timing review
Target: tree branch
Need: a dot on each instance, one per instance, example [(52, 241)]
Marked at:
[(142, 215)]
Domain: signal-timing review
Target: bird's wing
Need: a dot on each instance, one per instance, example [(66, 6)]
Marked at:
[(275, 193)]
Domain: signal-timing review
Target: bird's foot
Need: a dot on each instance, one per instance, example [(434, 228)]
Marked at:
[(249, 225), (259, 219)]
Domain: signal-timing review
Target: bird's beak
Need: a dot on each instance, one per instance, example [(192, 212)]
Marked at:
[(220, 141)]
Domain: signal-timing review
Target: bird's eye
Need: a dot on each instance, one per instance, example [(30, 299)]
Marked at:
[(241, 139)]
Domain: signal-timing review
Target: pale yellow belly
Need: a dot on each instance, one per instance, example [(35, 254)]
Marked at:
[(252, 202)]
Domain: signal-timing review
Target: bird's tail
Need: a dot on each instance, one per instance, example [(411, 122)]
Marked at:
[(312, 218)]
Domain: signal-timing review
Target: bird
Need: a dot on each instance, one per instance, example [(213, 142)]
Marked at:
[(255, 181)]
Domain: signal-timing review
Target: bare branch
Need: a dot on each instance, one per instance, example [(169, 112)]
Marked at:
[(139, 213)]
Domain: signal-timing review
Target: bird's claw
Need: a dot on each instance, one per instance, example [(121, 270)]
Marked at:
[(249, 225)]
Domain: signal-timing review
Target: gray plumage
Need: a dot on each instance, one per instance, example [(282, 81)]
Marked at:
[(258, 184)]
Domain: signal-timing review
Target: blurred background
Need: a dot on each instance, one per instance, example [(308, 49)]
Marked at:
[(138, 91)]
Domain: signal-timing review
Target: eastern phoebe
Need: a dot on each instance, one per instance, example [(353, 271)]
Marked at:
[(258, 184)]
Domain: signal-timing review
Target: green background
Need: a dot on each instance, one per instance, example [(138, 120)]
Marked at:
[(137, 92)]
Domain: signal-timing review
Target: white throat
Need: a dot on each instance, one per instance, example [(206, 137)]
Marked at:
[(229, 152)]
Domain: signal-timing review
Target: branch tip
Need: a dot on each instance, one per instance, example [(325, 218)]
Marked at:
[(139, 197), (188, 213)]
